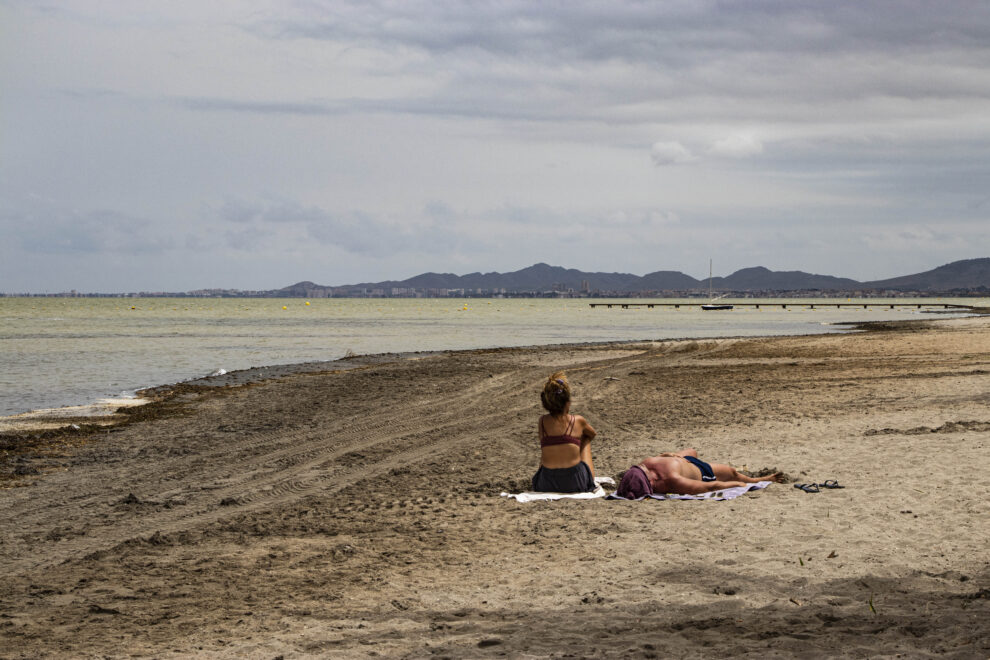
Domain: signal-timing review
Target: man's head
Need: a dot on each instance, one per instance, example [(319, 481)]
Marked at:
[(634, 484)]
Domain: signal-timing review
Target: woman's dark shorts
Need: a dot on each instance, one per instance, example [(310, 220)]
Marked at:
[(576, 479)]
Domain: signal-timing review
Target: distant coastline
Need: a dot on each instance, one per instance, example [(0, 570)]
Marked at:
[(966, 278), (978, 292)]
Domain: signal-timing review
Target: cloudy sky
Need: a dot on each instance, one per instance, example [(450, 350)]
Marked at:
[(251, 144)]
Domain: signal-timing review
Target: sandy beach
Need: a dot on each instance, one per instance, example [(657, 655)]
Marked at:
[(356, 513)]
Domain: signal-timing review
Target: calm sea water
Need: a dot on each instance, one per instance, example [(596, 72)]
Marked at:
[(69, 351)]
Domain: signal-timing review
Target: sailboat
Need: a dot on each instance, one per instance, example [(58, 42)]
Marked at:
[(712, 305)]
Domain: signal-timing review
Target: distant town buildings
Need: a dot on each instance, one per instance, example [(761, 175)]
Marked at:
[(970, 277), (555, 291)]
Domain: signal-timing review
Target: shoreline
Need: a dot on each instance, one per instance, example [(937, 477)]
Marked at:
[(357, 512), (52, 401), (109, 412), (52, 430)]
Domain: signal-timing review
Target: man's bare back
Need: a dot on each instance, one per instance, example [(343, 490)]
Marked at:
[(683, 473)]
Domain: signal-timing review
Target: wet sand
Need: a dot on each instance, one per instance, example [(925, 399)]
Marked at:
[(355, 513)]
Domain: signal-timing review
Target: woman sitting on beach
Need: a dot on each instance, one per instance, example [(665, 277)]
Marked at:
[(565, 443)]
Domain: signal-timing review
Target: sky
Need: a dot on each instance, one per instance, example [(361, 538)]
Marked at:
[(171, 146)]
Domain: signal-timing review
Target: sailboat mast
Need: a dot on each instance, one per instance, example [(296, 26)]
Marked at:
[(709, 279)]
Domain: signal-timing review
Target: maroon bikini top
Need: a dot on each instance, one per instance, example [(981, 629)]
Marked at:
[(563, 439)]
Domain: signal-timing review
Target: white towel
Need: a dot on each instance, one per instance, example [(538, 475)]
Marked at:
[(533, 496)]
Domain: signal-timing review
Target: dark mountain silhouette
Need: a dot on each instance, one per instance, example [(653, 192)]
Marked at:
[(760, 278), (538, 277), (966, 275), (298, 290), (668, 280)]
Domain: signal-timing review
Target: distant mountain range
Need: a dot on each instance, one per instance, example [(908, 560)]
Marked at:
[(967, 276)]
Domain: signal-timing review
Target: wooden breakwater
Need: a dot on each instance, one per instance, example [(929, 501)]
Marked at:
[(785, 305)]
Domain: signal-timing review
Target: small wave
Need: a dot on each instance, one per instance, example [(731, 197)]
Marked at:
[(52, 418), (219, 372)]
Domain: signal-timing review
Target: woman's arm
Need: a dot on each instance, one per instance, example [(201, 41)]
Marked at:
[(587, 432)]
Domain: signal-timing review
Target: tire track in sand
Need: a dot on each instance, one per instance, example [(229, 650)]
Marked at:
[(201, 470), (307, 462), (311, 469)]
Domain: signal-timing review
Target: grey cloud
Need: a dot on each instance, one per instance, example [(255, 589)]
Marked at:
[(438, 229), (526, 218), (455, 104), (208, 104), (924, 238), (363, 232), (677, 34), (512, 227), (93, 232), (670, 153), (441, 216), (636, 63), (90, 93), (283, 222), (737, 146), (355, 231), (630, 31), (363, 133), (260, 238), (277, 212)]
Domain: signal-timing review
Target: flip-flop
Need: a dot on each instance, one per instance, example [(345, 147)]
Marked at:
[(808, 488), (830, 483)]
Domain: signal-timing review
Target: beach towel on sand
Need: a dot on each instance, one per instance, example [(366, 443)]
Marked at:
[(724, 494), (533, 496)]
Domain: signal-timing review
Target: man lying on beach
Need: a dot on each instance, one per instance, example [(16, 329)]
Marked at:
[(682, 473)]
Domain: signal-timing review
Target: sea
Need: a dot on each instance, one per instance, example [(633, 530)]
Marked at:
[(57, 352)]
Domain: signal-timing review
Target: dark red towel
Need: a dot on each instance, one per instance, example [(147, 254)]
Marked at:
[(634, 484)]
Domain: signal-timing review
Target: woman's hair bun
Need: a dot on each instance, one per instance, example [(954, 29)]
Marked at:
[(556, 393)]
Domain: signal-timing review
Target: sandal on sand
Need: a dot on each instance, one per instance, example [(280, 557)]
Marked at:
[(808, 488), (830, 483)]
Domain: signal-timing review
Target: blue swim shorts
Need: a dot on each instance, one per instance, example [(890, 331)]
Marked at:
[(706, 470)]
